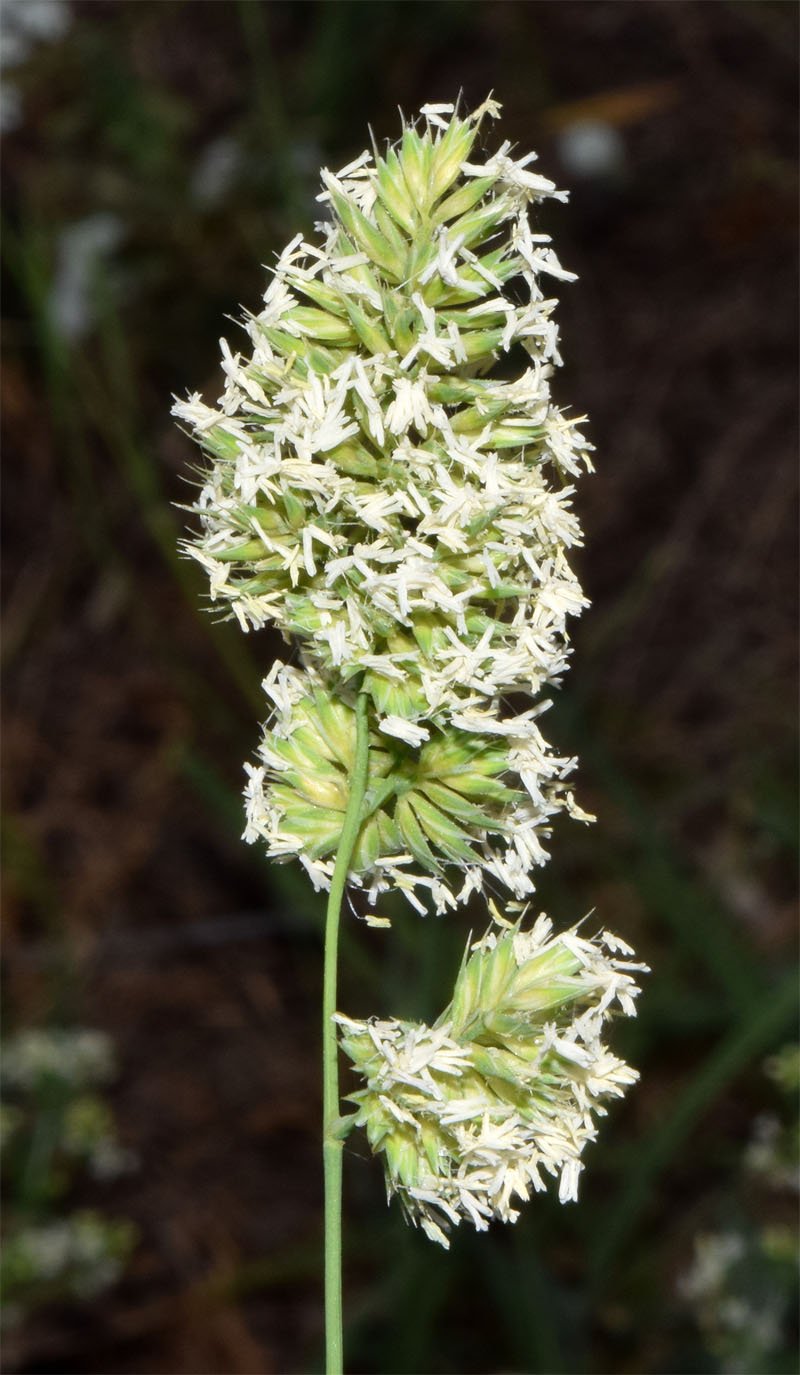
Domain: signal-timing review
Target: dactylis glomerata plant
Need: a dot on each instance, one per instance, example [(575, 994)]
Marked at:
[(393, 492)]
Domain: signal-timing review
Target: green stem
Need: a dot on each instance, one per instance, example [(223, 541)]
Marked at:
[(332, 1142)]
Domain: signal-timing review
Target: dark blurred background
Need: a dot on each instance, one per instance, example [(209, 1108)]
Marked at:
[(161, 1086)]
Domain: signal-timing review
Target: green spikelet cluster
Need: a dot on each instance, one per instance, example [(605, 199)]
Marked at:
[(470, 1114), (450, 799)]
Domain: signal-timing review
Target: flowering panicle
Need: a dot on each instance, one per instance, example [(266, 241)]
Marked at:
[(472, 1113), (399, 508), (403, 514)]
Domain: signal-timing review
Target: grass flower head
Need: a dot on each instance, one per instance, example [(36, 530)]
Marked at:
[(389, 485)]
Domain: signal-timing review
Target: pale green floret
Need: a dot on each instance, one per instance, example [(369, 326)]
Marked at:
[(471, 1113), (373, 492)]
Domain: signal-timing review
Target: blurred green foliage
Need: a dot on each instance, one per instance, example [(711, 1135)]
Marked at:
[(163, 152)]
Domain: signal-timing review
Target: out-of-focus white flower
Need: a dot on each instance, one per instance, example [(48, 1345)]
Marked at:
[(592, 149), (81, 1057), (216, 170), (442, 800), (82, 248), (23, 24)]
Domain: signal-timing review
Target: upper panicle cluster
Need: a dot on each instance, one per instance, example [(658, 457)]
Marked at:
[(375, 492)]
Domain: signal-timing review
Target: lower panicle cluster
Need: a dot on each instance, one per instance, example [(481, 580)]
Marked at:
[(472, 1114)]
